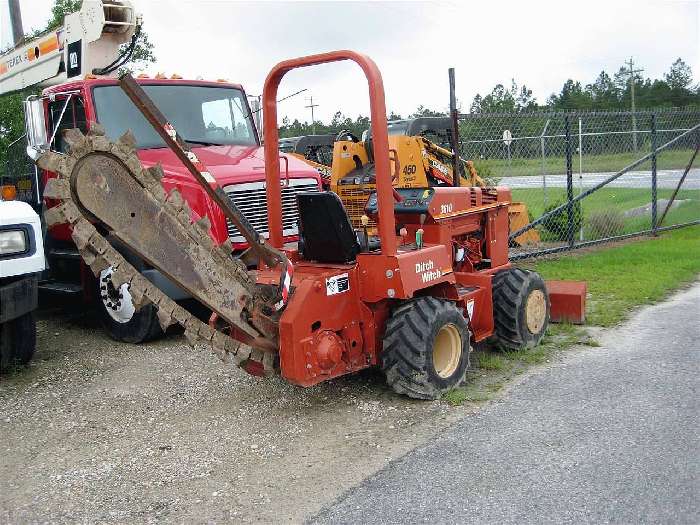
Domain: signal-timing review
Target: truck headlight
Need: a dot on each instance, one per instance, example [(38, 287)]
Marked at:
[(12, 241)]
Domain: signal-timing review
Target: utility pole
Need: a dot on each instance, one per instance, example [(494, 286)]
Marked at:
[(16, 22), (632, 73), (312, 106)]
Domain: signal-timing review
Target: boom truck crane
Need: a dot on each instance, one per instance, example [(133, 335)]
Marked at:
[(77, 65), (436, 280)]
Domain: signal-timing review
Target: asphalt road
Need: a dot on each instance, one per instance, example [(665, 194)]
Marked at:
[(666, 179), (609, 434)]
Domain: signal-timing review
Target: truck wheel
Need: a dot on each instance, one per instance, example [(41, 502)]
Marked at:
[(119, 315), (520, 309), (17, 341), (426, 348)]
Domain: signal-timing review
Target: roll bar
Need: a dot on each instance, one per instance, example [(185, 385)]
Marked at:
[(385, 201)]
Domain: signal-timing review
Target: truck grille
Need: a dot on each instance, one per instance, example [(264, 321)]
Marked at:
[(251, 200)]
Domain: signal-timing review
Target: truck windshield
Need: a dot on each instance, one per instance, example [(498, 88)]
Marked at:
[(201, 114)]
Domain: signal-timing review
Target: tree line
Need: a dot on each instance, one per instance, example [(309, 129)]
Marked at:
[(605, 93)]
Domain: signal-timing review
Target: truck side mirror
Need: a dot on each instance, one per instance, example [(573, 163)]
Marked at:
[(35, 127)]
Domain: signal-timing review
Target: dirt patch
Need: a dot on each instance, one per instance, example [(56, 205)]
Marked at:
[(96, 430)]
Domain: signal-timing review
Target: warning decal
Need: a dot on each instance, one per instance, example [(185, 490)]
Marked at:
[(337, 284)]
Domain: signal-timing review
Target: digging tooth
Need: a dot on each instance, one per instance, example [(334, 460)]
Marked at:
[(157, 192), (192, 338), (128, 141), (175, 199), (96, 130), (243, 352), (99, 244), (50, 161), (136, 290), (181, 315), (55, 215), (206, 333), (204, 224), (74, 138), (89, 257), (100, 264), (268, 362), (71, 212), (57, 189), (233, 348), (121, 275), (82, 231), (219, 342), (226, 248), (135, 167), (185, 215), (101, 143), (155, 172), (164, 319)]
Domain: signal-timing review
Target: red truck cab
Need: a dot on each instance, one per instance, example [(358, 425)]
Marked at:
[(216, 121)]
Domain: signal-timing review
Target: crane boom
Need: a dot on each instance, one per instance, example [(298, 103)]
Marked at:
[(89, 39)]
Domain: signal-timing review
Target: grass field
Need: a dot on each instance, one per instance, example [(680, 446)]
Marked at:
[(612, 162), (609, 204), (619, 279)]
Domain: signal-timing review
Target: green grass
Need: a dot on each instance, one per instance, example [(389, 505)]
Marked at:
[(611, 162), (635, 273), (615, 201), (619, 279), (489, 361)]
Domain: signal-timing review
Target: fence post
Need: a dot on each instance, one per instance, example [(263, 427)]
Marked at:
[(569, 183), (654, 224)]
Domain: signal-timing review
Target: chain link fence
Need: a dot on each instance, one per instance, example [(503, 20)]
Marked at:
[(587, 178)]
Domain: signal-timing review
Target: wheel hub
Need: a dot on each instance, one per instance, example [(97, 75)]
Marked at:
[(535, 311), (118, 303), (447, 350)]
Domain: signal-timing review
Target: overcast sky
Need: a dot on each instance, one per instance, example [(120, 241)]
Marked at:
[(540, 44)]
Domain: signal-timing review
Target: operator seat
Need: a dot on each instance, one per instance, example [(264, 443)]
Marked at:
[(325, 232)]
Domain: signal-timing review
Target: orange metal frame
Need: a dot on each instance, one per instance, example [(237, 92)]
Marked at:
[(380, 138)]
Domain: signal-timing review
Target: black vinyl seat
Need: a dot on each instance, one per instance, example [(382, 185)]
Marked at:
[(325, 232)]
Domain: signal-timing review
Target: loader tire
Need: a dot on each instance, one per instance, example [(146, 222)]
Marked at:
[(426, 348), (17, 341), (520, 309), (120, 318)]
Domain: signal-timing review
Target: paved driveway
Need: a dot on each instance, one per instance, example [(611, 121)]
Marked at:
[(608, 435)]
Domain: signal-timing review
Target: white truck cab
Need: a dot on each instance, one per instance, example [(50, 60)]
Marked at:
[(21, 262)]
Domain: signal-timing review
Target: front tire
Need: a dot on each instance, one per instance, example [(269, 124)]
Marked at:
[(426, 348), (520, 309), (119, 316), (17, 341)]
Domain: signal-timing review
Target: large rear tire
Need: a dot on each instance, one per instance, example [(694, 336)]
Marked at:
[(119, 316), (426, 348), (520, 309), (17, 341)]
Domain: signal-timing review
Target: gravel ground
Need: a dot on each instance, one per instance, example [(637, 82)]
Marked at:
[(101, 431)]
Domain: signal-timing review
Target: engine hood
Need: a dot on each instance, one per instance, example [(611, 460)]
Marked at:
[(227, 164)]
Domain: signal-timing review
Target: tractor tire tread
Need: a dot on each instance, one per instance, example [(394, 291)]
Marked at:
[(510, 290), (404, 358)]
